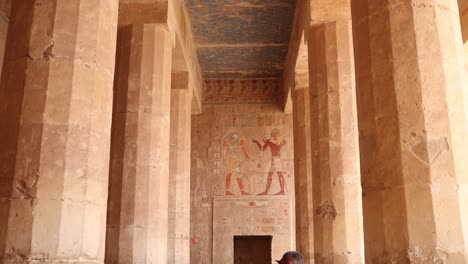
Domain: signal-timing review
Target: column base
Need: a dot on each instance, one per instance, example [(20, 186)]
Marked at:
[(18, 258), (417, 255)]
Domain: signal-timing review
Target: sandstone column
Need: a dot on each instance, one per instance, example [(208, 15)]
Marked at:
[(179, 171), (303, 171), (413, 130), (55, 118), (139, 176), (338, 227)]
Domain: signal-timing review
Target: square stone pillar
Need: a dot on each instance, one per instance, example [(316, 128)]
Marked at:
[(137, 230), (338, 227), (55, 119), (179, 182), (303, 178), (413, 130)]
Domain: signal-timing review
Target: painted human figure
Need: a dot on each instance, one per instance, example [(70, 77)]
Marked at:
[(275, 144), (234, 147)]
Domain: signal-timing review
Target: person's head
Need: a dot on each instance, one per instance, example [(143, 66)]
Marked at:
[(291, 257)]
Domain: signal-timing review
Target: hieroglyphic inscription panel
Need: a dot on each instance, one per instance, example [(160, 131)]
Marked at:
[(251, 216)]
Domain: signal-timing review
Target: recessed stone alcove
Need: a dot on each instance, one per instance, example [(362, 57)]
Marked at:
[(252, 249), (251, 216)]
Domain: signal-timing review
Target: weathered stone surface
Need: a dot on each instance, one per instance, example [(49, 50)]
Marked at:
[(303, 173), (413, 130), (142, 12), (230, 33), (251, 216), (139, 176), (338, 227), (179, 173), (180, 80), (55, 117), (240, 91), (296, 59), (225, 161)]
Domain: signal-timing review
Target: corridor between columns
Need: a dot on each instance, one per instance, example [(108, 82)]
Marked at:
[(170, 131)]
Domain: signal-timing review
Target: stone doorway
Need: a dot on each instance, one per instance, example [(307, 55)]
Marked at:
[(252, 249)]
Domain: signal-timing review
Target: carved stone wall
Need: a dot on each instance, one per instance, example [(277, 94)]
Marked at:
[(254, 216), (238, 147)]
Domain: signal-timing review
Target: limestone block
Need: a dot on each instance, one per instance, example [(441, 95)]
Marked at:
[(251, 216), (323, 11)]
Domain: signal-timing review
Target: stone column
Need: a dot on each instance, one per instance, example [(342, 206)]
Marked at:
[(55, 118), (338, 227), (179, 182), (303, 172), (139, 176), (413, 130)]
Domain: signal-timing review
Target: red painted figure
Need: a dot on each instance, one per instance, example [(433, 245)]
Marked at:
[(236, 152), (275, 147)]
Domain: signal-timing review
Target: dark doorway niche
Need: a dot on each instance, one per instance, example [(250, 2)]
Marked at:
[(252, 249)]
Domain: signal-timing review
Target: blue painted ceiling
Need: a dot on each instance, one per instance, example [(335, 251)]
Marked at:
[(241, 38)]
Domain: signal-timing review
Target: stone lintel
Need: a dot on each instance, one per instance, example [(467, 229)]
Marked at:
[(179, 25), (229, 220), (142, 13), (324, 11), (260, 91), (180, 80), (301, 80), (301, 19), (174, 15)]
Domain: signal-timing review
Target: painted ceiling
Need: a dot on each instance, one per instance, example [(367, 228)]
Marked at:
[(241, 38)]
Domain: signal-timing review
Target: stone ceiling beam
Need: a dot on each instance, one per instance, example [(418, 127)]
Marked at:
[(307, 13), (301, 19), (241, 45), (180, 80), (175, 15), (142, 13)]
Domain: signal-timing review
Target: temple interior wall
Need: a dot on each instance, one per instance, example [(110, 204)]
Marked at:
[(236, 113)]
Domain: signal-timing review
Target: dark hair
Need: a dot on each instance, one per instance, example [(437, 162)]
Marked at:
[(292, 254)]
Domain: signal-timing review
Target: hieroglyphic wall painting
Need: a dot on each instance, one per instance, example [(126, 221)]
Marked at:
[(238, 150)]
